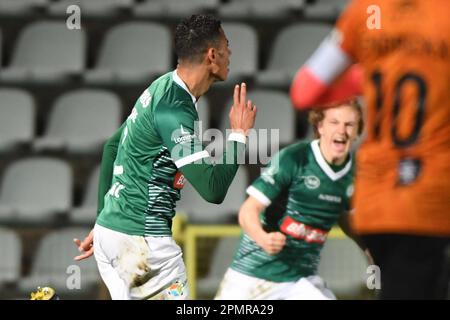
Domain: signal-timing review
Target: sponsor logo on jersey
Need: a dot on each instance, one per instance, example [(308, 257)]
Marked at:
[(311, 182), (179, 180), (302, 231), (184, 135), (330, 198)]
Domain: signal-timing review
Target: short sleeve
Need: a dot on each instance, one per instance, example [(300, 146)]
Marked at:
[(274, 179)]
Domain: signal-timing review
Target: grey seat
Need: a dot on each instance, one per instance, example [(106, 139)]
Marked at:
[(81, 121), (221, 260), (325, 9), (17, 112), (133, 52), (87, 212), (244, 47), (343, 267), (92, 8), (200, 211), (21, 7), (260, 9), (292, 47), (46, 52), (174, 8), (35, 190), (53, 266), (10, 263)]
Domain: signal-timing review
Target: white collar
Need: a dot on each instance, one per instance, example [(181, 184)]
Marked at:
[(180, 82), (323, 164)]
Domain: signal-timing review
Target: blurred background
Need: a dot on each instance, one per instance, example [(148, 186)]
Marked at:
[(67, 82)]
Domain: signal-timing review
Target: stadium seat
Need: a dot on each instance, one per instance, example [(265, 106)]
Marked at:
[(292, 47), (244, 47), (46, 52), (325, 9), (91, 8), (259, 9), (10, 263), (35, 190), (17, 118), (81, 121), (53, 266), (87, 212), (133, 52), (174, 8), (221, 260), (200, 211), (343, 267), (21, 7)]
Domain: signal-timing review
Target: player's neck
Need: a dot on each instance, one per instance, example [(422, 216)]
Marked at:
[(195, 77)]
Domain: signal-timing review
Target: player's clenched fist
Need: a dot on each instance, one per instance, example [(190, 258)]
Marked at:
[(273, 242), (243, 112)]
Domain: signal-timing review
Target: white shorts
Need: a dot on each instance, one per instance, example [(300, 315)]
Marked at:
[(135, 267), (238, 286)]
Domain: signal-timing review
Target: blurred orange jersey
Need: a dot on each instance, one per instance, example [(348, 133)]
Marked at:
[(403, 176)]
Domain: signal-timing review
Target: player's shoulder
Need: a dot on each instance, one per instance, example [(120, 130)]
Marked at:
[(168, 96), (295, 152)]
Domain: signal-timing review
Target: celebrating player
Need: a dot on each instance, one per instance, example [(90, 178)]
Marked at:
[(157, 148)]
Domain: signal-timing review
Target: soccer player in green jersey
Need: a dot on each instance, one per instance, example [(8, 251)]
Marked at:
[(150, 157), (279, 250)]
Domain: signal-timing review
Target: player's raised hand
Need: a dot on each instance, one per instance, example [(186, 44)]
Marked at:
[(273, 242), (243, 112), (86, 247)]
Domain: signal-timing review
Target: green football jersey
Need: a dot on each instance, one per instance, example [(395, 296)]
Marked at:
[(157, 140), (317, 194)]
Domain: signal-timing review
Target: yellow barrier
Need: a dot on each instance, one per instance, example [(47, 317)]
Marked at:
[(193, 232)]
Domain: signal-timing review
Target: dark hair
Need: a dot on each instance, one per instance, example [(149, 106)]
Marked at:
[(194, 35), (317, 115)]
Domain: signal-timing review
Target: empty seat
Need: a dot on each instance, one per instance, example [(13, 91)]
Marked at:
[(17, 115), (174, 8), (10, 263), (87, 212), (274, 126), (325, 9), (343, 266), (53, 266), (221, 260), (92, 8), (81, 121), (46, 52), (199, 210), (260, 9), (21, 7), (292, 47), (35, 190), (132, 52), (244, 47)]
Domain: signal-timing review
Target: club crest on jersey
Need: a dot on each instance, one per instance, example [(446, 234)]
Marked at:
[(179, 180), (312, 182)]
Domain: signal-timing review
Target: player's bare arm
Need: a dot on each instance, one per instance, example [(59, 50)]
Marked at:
[(270, 242)]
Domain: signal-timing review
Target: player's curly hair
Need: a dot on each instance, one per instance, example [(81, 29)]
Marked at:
[(317, 115), (194, 35)]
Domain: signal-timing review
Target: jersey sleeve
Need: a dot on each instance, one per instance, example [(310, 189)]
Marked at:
[(106, 168), (177, 131), (274, 179)]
